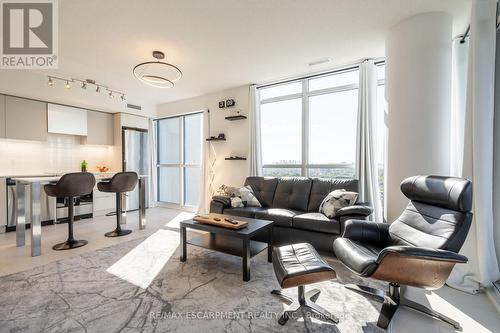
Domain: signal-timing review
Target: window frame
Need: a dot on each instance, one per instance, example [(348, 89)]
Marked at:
[(305, 166), (182, 165)]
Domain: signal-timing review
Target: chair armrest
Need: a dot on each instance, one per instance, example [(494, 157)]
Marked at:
[(366, 231), (416, 266), (423, 253), (225, 200), (355, 210)]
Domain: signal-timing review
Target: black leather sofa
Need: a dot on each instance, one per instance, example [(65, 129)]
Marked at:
[(293, 204)]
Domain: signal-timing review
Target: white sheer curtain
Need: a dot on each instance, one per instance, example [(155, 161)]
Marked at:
[(458, 94), (255, 143), (366, 145), (152, 164), (203, 187), (482, 268)]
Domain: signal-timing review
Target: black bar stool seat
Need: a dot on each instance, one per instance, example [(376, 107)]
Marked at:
[(69, 186), (120, 183)]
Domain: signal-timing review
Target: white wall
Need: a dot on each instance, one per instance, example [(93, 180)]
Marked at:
[(418, 94), (59, 154), (496, 170), (231, 173)]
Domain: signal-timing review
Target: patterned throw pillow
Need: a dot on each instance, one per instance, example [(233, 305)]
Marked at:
[(247, 197), (335, 200), (236, 202)]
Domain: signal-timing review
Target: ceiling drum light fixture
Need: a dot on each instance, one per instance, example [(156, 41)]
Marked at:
[(157, 74)]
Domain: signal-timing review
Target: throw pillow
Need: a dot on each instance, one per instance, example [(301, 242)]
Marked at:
[(247, 197), (335, 200), (236, 202)]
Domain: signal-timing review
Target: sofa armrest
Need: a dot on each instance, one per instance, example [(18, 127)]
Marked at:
[(225, 200), (366, 232), (355, 210), (219, 203), (423, 253)]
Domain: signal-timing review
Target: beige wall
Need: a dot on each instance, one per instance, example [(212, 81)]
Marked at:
[(237, 132)]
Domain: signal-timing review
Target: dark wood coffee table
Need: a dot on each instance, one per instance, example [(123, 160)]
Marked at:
[(234, 242)]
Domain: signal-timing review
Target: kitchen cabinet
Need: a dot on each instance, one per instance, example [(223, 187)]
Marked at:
[(66, 120), (25, 119), (103, 202), (2, 116), (100, 128)]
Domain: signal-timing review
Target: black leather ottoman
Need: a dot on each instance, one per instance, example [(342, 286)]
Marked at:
[(297, 265)]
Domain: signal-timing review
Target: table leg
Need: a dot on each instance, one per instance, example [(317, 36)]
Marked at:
[(36, 226), (123, 198), (21, 214), (142, 203), (270, 245), (183, 243), (246, 259)]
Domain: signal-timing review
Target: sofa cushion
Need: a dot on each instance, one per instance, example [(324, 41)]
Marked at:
[(263, 188), (292, 193), (243, 211), (316, 222), (281, 217), (321, 187)]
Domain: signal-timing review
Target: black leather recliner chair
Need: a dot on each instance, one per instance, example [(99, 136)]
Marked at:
[(419, 249)]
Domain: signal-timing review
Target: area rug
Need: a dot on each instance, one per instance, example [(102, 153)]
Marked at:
[(141, 286)]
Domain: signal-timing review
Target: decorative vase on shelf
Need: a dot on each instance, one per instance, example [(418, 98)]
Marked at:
[(84, 166)]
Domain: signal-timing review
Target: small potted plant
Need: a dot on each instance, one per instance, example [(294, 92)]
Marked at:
[(84, 166)]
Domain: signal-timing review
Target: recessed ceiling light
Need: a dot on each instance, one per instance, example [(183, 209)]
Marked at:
[(319, 61)]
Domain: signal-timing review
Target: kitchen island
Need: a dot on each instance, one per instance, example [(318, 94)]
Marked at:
[(35, 185)]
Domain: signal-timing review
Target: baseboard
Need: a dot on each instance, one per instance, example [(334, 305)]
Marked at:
[(493, 293)]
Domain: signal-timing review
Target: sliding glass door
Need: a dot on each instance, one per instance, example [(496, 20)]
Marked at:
[(179, 144)]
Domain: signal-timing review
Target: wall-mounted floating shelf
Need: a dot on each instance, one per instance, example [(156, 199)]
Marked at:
[(236, 158), (238, 117), (215, 139)]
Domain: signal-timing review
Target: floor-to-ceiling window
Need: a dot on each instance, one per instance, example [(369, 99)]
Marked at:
[(308, 126), (179, 144)]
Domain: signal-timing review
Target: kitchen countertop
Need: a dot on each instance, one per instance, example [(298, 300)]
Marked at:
[(54, 178)]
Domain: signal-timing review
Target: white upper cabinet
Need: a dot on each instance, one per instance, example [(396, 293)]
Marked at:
[(66, 120)]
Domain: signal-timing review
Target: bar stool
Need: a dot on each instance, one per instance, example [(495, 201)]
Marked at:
[(69, 186), (121, 182)]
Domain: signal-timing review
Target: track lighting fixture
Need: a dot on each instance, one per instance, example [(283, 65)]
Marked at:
[(68, 81)]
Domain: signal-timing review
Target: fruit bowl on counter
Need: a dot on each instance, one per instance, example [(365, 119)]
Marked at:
[(103, 168)]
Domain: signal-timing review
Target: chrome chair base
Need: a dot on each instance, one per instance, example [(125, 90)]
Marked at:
[(118, 233), (393, 299), (305, 302)]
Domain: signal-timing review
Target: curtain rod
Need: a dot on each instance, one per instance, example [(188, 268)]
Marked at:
[(337, 70), (462, 40)]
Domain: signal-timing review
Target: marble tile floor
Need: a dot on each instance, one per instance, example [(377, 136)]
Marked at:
[(131, 283)]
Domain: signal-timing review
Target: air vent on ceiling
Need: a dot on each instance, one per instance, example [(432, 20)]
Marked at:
[(135, 107), (319, 61)]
